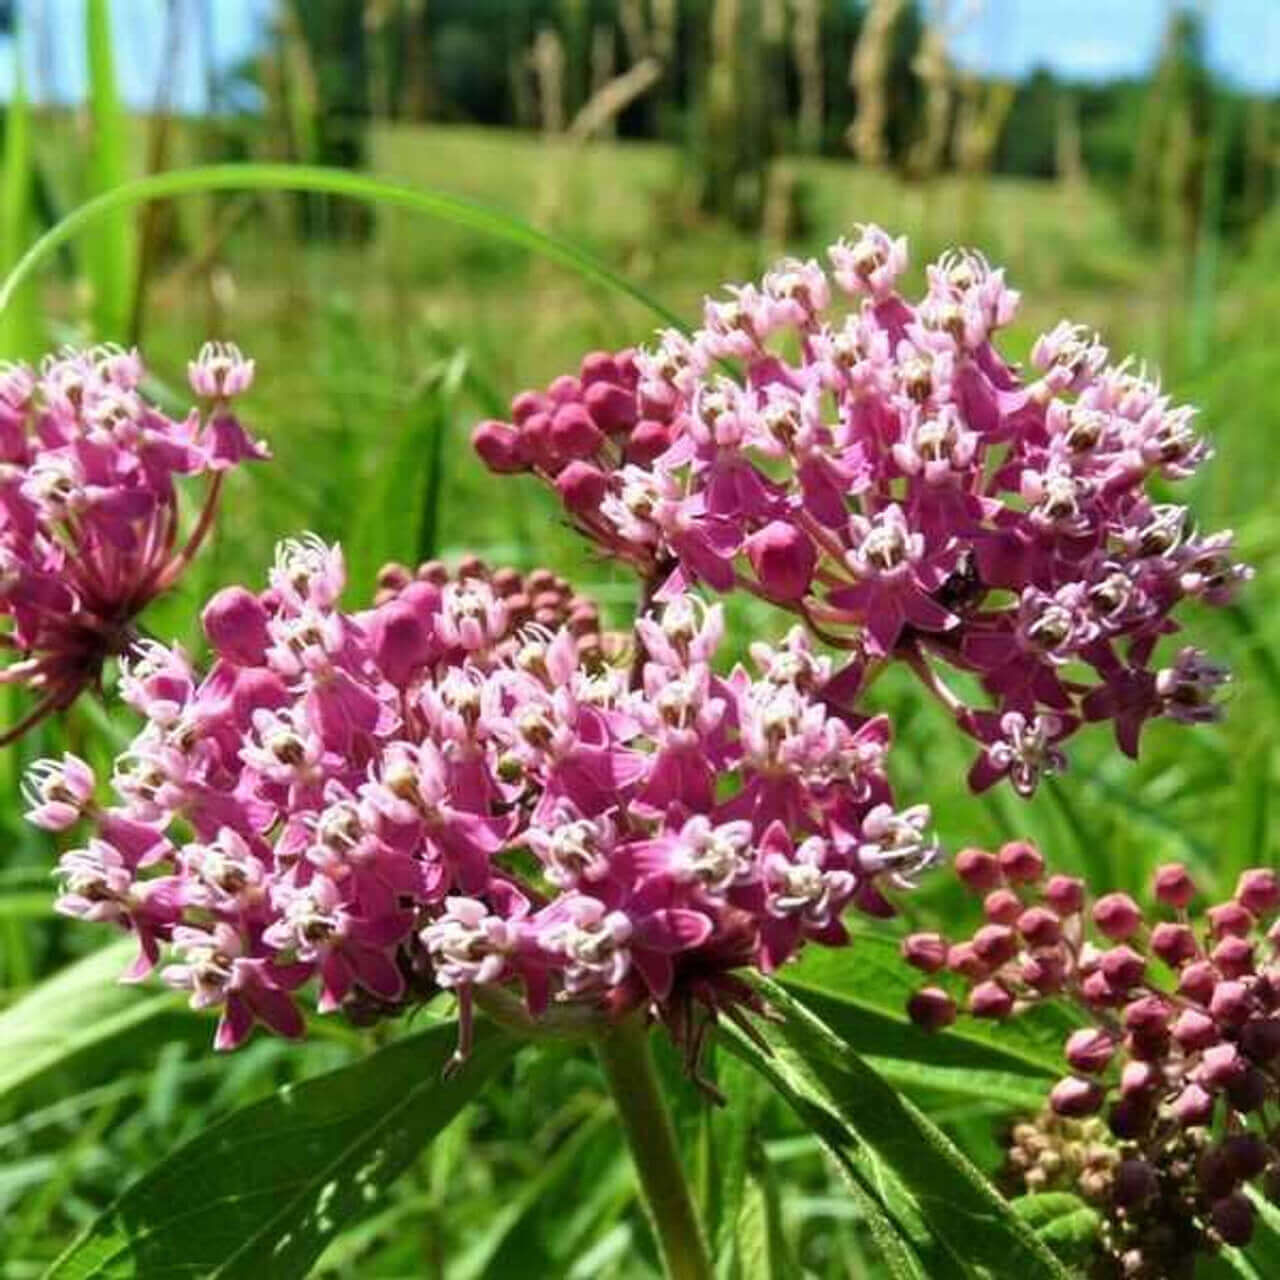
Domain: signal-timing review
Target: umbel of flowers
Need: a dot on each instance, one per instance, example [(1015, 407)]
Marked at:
[(90, 528), (1179, 1024), (882, 472), (368, 805)]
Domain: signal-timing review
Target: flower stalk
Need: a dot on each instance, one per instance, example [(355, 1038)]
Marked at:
[(627, 1061)]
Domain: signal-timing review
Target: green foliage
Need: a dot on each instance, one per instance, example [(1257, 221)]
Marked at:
[(274, 1182), (374, 359), (941, 1208), (109, 256), (19, 322)]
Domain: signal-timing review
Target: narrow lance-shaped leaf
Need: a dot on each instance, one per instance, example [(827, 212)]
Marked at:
[(967, 1217), (262, 1192)]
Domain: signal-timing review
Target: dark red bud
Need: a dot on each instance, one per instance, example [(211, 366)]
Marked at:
[(1002, 906), (979, 870), (1064, 894), (612, 408), (931, 1009), (1021, 862), (925, 951), (1089, 1050), (1174, 886), (582, 488), (1074, 1097), (1232, 1219), (990, 1000), (500, 447), (1117, 916), (1258, 890), (1175, 944)]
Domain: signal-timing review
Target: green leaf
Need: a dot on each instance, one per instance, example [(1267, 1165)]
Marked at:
[(83, 1025), (1063, 1221), (495, 1251), (339, 182), (262, 1192), (970, 1222), (861, 993), (109, 254), (896, 1236), (760, 1243)]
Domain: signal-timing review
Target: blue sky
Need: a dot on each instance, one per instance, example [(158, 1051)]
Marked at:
[(1089, 39)]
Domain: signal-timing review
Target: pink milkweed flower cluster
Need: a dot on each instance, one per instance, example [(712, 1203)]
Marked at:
[(1179, 1016), (884, 473), (90, 528), (348, 799)]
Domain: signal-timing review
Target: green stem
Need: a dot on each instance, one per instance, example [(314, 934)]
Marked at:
[(628, 1067)]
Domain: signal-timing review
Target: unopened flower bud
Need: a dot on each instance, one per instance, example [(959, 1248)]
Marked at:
[(1090, 1050), (1064, 894), (1230, 918), (978, 869), (994, 944), (1233, 956), (1174, 886), (925, 951), (1117, 916), (1175, 944), (581, 487), (1230, 1003), (236, 624), (1040, 927), (783, 558), (990, 1000), (1135, 1183), (931, 1009), (499, 447), (1002, 906), (1021, 862), (1075, 1097), (1258, 890), (1232, 1219), (1194, 1030), (1192, 1107)]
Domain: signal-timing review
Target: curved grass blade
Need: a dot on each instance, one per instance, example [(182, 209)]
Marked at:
[(338, 182), (262, 1192)]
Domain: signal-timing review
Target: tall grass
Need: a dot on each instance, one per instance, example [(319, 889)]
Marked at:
[(19, 321), (109, 257)]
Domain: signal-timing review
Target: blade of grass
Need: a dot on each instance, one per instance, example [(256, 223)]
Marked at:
[(338, 182), (109, 255), (19, 324)]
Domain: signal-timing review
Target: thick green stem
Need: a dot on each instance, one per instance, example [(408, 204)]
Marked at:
[(628, 1066)]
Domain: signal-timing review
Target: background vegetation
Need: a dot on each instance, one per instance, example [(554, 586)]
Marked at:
[(1142, 208)]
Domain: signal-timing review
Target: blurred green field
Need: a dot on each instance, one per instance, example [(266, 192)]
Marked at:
[(375, 353)]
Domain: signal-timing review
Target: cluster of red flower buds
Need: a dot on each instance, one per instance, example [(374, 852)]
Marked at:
[(1179, 1017), (538, 596)]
